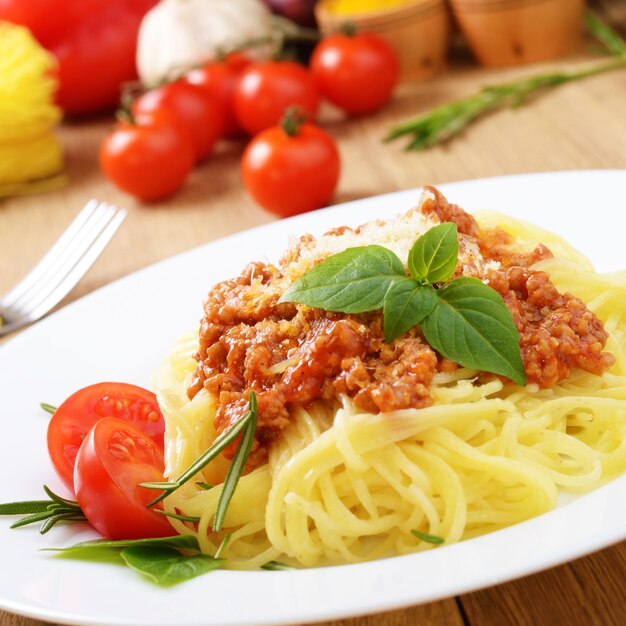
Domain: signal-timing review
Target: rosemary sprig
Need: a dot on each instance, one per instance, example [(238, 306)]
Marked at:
[(236, 466), (247, 424), (52, 511), (442, 123)]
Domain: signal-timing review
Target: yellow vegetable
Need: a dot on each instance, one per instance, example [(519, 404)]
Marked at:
[(30, 154), (352, 7)]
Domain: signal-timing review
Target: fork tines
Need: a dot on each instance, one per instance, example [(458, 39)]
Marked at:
[(62, 267)]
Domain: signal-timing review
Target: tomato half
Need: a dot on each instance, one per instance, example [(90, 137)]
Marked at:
[(112, 461), (191, 106), (266, 90), (75, 417), (149, 158), (289, 171), (355, 72)]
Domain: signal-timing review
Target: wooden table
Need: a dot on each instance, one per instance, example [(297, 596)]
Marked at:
[(579, 126)]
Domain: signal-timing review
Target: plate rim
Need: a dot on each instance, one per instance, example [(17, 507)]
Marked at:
[(375, 607)]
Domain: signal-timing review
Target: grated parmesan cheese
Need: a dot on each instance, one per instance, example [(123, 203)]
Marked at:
[(398, 234)]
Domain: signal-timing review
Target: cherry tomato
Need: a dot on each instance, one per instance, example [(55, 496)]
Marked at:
[(355, 72), (74, 418), (190, 104), (291, 170), (150, 158), (114, 458), (219, 79), (267, 89), (95, 42)]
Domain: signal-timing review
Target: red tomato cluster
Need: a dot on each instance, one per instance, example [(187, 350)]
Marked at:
[(103, 441), (287, 167)]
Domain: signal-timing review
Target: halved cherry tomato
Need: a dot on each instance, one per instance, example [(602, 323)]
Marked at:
[(112, 461), (355, 72), (219, 79), (291, 168), (266, 90), (72, 421), (149, 158), (193, 108)]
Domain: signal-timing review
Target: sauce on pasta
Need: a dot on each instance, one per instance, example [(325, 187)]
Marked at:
[(292, 355)]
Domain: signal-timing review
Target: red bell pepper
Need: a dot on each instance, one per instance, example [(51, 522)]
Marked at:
[(94, 41)]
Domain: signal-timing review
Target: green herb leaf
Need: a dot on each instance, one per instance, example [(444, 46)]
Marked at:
[(472, 326), (406, 304), (428, 538), (236, 467), (192, 519), (203, 460), (275, 566), (605, 34), (166, 566), (353, 281), (28, 507), (50, 512), (435, 254), (48, 408), (175, 542)]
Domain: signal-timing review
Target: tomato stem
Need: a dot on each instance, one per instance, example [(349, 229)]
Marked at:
[(292, 120), (348, 28)]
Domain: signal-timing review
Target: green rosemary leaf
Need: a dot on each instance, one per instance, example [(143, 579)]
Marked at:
[(28, 507), (182, 518), (223, 545), (237, 466), (275, 566), (202, 461), (435, 539), (608, 37)]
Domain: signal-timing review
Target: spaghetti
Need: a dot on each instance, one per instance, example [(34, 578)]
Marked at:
[(343, 485)]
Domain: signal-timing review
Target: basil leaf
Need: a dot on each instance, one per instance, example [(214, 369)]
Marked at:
[(166, 566), (472, 326), (353, 281), (434, 255), (406, 303)]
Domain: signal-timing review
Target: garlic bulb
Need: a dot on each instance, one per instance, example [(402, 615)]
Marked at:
[(178, 34)]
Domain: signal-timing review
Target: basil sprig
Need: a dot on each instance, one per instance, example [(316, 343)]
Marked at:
[(465, 320)]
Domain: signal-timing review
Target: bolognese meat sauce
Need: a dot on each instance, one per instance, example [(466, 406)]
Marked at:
[(292, 355)]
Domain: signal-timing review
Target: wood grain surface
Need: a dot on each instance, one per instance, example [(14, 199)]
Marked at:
[(578, 126)]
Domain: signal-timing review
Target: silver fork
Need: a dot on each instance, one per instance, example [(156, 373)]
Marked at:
[(62, 267)]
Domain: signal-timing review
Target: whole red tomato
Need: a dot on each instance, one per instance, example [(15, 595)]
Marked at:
[(149, 158), (75, 417), (219, 79), (292, 168), (266, 90), (355, 72), (94, 41), (111, 462), (193, 108)]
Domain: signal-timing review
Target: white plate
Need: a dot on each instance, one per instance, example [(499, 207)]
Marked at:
[(124, 330)]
